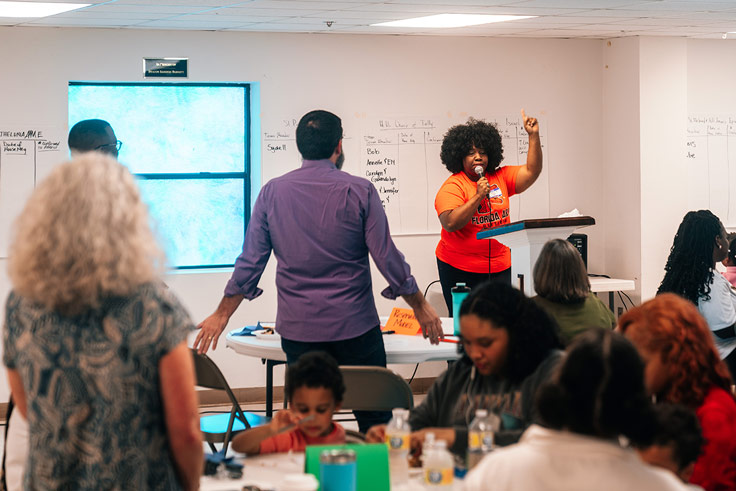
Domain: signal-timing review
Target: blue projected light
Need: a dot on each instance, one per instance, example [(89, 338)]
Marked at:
[(178, 138)]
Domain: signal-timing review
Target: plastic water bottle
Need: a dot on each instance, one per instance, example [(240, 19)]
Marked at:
[(397, 439), (428, 442), (480, 436), (438, 467)]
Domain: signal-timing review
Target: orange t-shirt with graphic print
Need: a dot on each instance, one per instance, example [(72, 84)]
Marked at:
[(296, 440), (461, 249)]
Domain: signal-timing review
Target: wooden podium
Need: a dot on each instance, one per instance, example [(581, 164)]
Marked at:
[(526, 239)]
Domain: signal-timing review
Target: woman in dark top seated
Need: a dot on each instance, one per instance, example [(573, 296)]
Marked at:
[(563, 290), (510, 347)]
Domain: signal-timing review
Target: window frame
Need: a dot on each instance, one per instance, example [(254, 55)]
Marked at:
[(246, 175)]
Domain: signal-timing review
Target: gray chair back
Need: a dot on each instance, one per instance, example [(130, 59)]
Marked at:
[(375, 389)]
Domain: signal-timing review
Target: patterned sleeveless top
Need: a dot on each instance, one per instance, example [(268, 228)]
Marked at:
[(93, 392)]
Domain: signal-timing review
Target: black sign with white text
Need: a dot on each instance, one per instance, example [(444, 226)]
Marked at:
[(165, 67)]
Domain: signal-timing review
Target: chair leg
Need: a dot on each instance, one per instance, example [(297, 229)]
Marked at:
[(212, 447)]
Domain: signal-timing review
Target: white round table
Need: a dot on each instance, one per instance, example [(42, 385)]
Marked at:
[(399, 349)]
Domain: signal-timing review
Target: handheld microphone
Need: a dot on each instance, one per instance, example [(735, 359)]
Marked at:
[(479, 170)]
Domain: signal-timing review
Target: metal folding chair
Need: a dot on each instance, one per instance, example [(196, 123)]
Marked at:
[(220, 428)]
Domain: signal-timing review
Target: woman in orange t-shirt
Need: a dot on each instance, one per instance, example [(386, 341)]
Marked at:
[(476, 197)]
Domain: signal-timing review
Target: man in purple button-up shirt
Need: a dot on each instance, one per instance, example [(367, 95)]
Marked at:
[(321, 224)]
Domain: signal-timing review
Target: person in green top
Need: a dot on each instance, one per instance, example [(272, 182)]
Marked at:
[(563, 290)]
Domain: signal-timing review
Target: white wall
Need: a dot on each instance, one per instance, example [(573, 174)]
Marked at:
[(620, 159), (663, 116), (561, 80), (650, 87)]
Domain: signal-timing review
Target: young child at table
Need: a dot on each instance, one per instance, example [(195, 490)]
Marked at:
[(730, 261), (677, 443), (314, 389)]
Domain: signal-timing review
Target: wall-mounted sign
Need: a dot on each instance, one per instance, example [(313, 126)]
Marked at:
[(165, 67)]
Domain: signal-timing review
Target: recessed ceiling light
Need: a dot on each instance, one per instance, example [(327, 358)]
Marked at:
[(451, 20), (36, 9)]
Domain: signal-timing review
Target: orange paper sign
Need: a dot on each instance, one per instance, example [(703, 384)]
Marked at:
[(402, 321)]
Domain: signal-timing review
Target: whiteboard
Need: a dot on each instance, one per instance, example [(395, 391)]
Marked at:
[(400, 155), (710, 155), (27, 154)]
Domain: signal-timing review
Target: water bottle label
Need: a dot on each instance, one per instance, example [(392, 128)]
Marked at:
[(487, 438), (438, 477), (474, 440), (398, 442)]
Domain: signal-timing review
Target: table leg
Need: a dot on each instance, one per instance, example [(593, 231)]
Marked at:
[(610, 302), (269, 385), (269, 388)]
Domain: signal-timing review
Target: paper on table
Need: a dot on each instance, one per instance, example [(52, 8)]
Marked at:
[(402, 321)]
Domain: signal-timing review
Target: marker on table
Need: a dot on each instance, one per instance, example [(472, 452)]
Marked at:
[(389, 332)]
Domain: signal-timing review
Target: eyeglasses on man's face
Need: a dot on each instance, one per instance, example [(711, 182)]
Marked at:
[(110, 147)]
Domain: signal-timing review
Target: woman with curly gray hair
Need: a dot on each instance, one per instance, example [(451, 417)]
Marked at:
[(94, 345), (476, 197)]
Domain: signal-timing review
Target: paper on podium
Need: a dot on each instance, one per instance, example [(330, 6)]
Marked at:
[(572, 213)]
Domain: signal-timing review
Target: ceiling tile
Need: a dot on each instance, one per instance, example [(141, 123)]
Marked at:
[(588, 4), (555, 18)]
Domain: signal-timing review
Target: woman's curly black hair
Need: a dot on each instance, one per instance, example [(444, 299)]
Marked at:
[(475, 133), (533, 334), (689, 268)]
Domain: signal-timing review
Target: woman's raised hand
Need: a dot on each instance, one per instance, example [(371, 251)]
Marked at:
[(531, 125)]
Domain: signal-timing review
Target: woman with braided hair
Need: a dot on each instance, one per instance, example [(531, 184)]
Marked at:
[(690, 272)]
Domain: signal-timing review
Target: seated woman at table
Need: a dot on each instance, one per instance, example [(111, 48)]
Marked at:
[(596, 396), (314, 389), (563, 290), (510, 347), (94, 343), (683, 367)]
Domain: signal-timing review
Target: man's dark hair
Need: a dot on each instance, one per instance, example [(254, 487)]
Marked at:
[(315, 369), (85, 136), (318, 134), (678, 428), (533, 334), (461, 138)]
